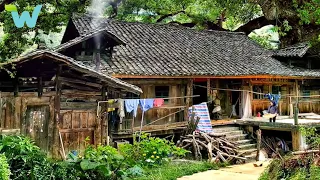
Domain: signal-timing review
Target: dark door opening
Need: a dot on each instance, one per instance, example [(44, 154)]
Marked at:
[(200, 89), (236, 101)]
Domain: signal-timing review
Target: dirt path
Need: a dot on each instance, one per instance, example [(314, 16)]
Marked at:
[(238, 172)]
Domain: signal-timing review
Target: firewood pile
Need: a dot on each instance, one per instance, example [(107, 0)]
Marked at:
[(218, 148), (274, 146)]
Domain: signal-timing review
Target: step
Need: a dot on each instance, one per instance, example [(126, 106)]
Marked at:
[(245, 141), (230, 133), (221, 129), (237, 137), (247, 151), (251, 157), (247, 146)]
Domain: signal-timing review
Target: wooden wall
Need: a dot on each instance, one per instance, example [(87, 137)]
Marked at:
[(176, 89), (34, 116), (288, 88)]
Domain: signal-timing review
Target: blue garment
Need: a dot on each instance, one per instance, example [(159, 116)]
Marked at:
[(273, 98), (273, 109), (146, 104), (132, 105)]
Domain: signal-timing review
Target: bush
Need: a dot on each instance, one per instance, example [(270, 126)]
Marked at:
[(4, 168), (150, 151), (103, 162), (25, 159)]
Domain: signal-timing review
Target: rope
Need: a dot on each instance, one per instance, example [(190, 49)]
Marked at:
[(165, 117)]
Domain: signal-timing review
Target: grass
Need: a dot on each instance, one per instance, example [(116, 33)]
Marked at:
[(174, 170)]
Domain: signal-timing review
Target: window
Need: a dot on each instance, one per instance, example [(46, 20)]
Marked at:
[(258, 89), (276, 89), (162, 92), (306, 93), (132, 96)]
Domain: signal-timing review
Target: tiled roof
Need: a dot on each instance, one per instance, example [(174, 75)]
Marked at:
[(117, 83), (297, 50), (166, 50), (86, 36)]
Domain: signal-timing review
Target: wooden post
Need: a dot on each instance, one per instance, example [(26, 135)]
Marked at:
[(258, 144), (208, 90), (57, 113), (296, 109), (102, 121), (188, 100), (40, 87), (16, 86)]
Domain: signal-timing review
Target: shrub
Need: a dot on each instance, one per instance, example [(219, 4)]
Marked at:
[(103, 162), (25, 159), (4, 168), (150, 151)]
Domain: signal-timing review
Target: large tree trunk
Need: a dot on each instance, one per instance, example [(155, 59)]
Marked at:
[(276, 12)]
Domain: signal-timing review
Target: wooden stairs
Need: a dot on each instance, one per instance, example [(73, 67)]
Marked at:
[(234, 133)]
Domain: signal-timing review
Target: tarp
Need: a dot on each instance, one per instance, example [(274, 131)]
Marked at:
[(201, 111)]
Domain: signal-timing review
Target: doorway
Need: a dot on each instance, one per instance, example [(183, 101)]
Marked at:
[(235, 100), (199, 88)]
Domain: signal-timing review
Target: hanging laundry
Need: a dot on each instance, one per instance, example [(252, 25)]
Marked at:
[(158, 102), (121, 112), (111, 102), (273, 98), (132, 105), (146, 104)]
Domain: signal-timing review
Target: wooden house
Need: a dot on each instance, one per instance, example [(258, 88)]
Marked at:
[(166, 61), (53, 99)]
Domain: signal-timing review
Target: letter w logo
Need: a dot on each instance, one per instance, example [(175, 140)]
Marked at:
[(19, 21)]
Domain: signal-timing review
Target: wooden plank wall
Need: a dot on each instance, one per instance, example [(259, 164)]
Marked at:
[(34, 117), (77, 127), (176, 89), (156, 113)]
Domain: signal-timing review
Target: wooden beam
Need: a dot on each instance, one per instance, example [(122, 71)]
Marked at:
[(188, 100), (211, 77), (40, 87), (102, 122), (208, 89), (156, 82), (57, 114), (75, 86), (16, 86), (77, 81)]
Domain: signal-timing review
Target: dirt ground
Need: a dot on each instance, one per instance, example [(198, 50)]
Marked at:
[(238, 172)]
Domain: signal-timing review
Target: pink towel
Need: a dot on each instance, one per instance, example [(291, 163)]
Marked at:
[(158, 102)]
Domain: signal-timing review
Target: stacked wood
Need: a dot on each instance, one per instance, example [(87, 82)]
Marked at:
[(217, 147), (273, 147)]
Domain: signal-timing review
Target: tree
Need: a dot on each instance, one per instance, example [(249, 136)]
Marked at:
[(53, 16), (296, 20)]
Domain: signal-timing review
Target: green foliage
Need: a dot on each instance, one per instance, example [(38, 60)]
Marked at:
[(314, 172), (175, 170), (312, 137), (186, 11), (53, 15), (150, 151), (4, 168), (308, 11), (103, 162), (263, 41), (24, 158)]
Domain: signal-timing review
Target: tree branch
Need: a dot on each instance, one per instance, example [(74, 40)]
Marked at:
[(255, 24), (168, 15)]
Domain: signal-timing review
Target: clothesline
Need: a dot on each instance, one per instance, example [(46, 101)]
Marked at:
[(181, 97), (241, 90)]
